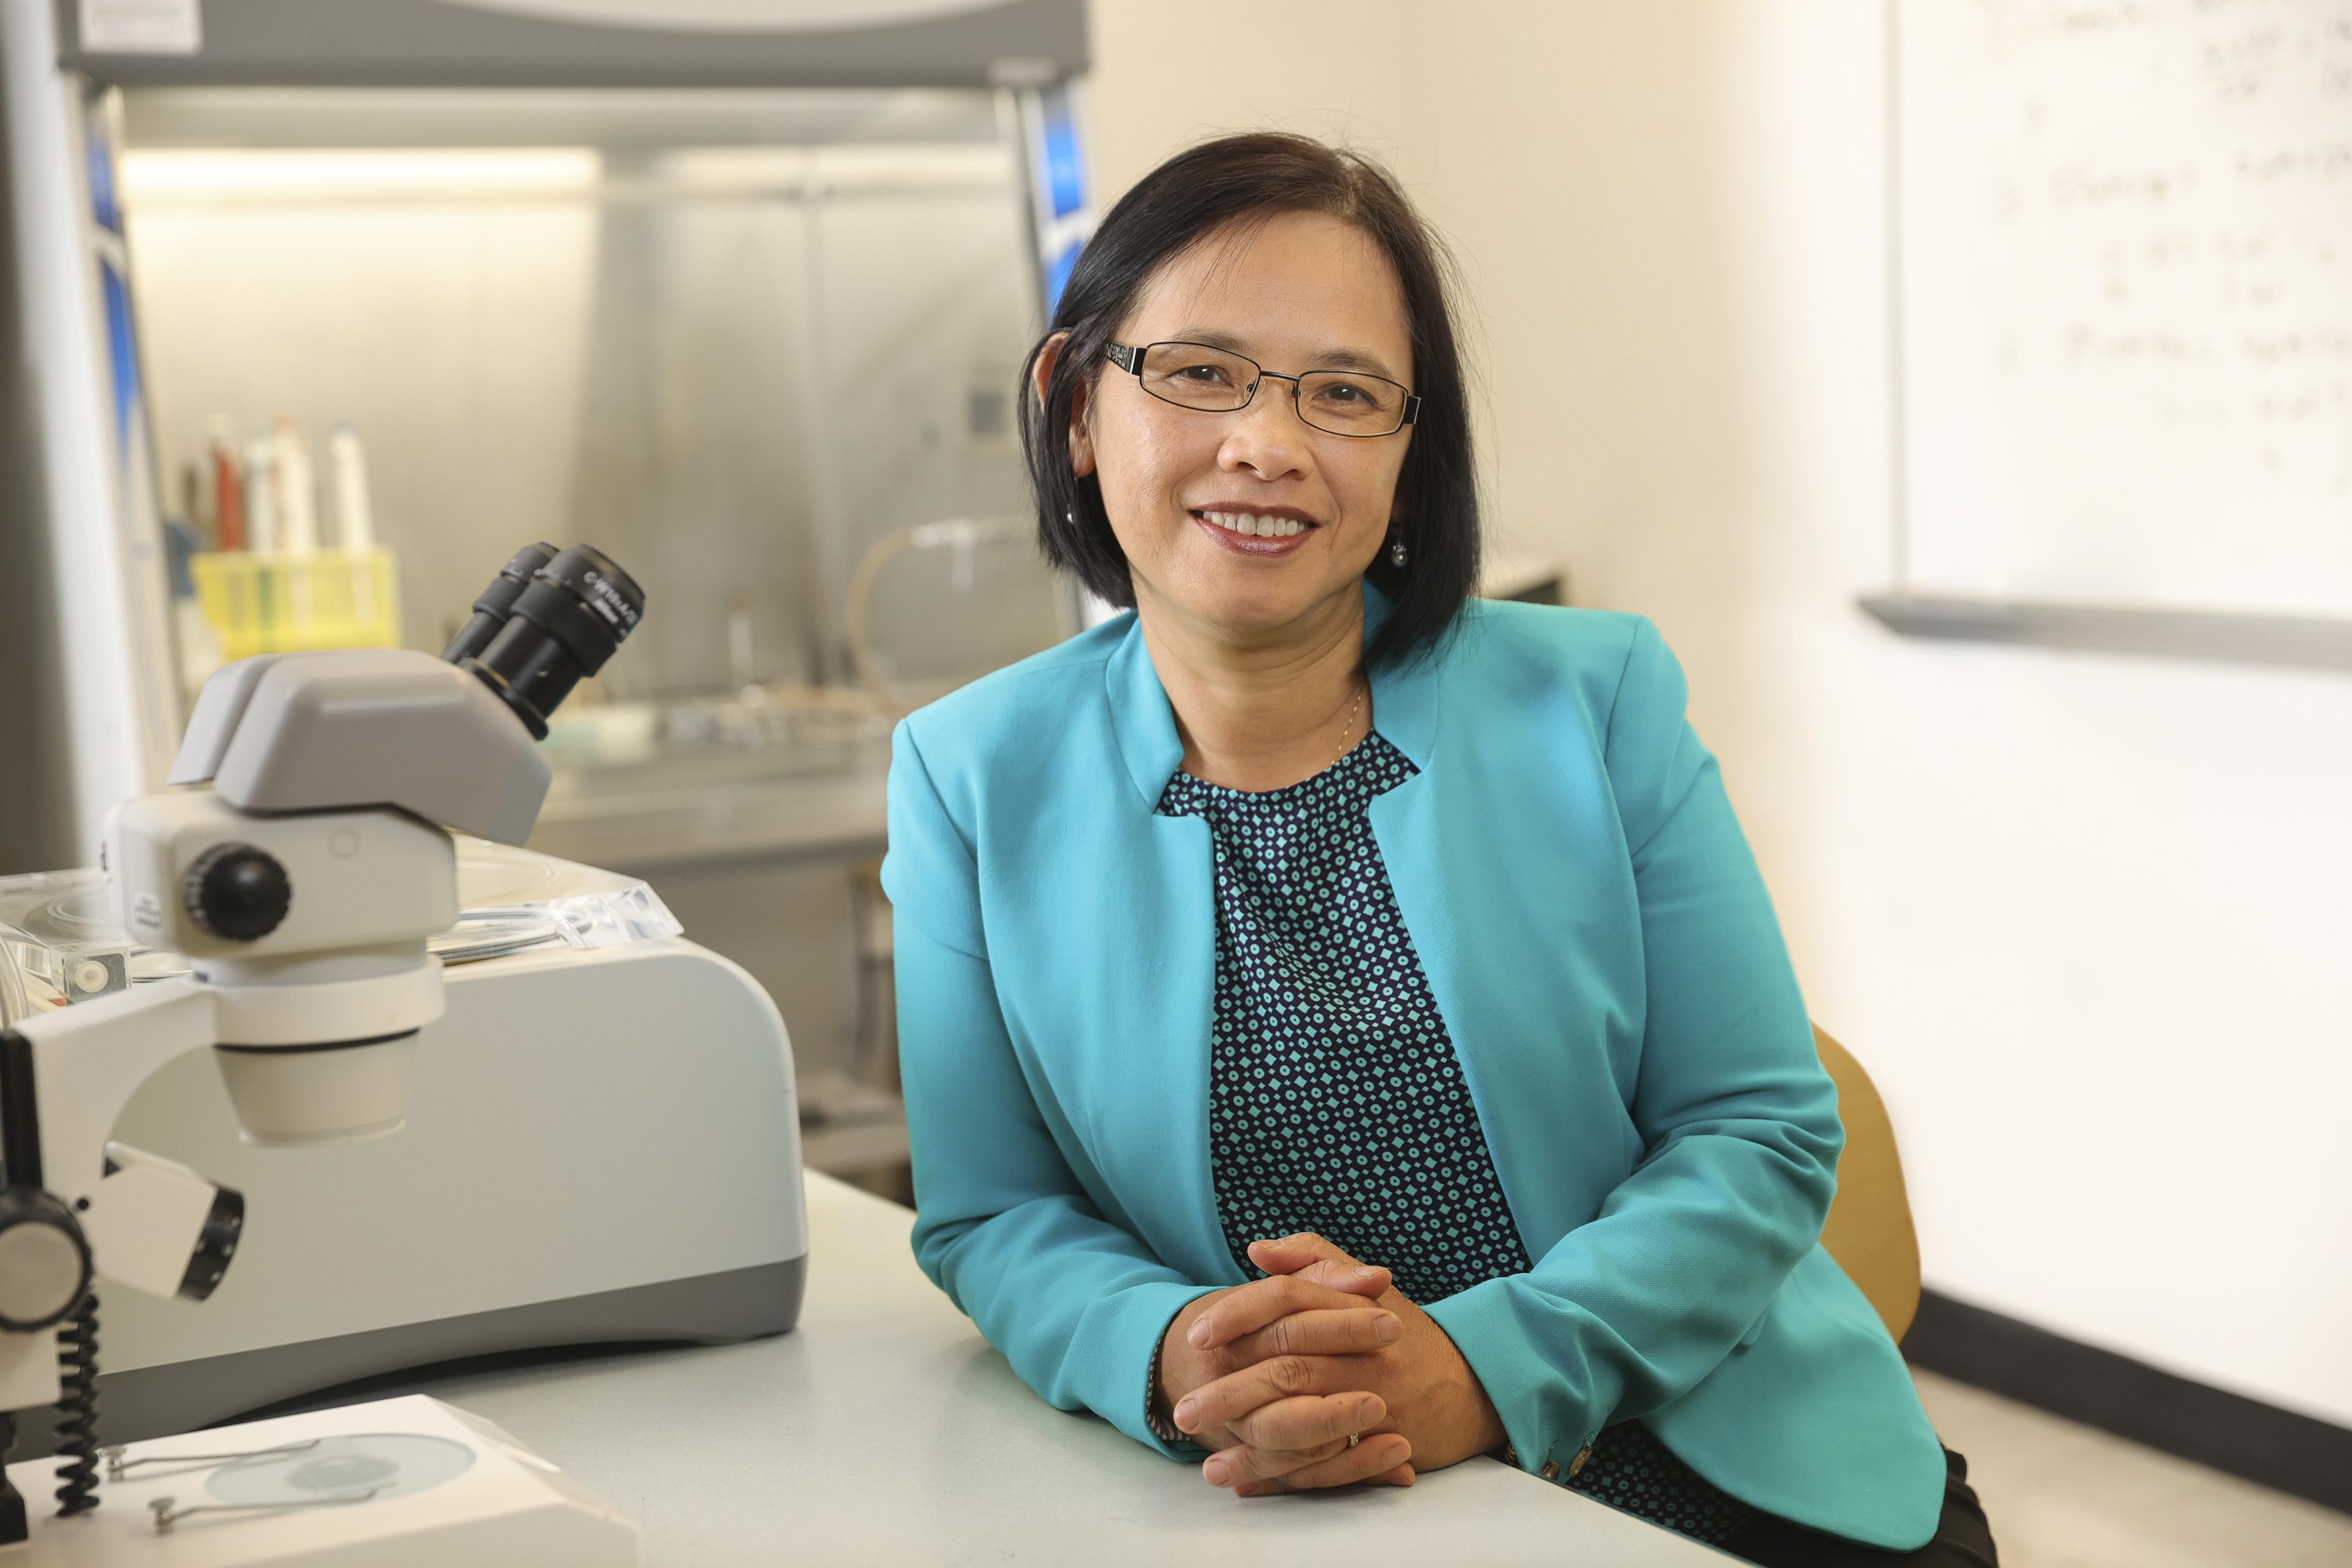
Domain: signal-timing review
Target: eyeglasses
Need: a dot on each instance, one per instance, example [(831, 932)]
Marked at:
[(1214, 381)]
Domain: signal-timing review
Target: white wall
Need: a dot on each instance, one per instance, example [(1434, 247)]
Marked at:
[(2081, 916)]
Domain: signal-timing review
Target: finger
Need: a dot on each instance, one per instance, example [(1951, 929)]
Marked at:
[(1245, 1309), (1335, 1274), (1320, 1331), (1304, 1244), (1300, 1254), (1403, 1475), (1374, 1458), (1244, 1463), (1235, 1394), (1309, 1420), (1314, 1256)]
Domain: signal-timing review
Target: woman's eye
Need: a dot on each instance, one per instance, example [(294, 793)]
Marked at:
[(1205, 375)]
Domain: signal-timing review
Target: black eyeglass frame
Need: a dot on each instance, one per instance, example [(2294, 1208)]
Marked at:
[(1130, 358)]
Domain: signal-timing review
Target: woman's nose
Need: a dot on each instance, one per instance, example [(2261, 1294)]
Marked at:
[(1267, 436)]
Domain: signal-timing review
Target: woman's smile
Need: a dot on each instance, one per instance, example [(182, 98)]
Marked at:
[(1262, 532)]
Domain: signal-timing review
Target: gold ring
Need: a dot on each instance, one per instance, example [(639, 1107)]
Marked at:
[(1351, 1439)]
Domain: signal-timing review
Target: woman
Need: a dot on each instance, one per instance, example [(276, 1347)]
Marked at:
[(1343, 1028)]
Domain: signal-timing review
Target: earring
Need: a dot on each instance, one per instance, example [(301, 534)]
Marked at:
[(1070, 516), (1396, 548)]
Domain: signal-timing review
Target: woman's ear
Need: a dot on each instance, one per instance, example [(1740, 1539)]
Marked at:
[(1082, 446)]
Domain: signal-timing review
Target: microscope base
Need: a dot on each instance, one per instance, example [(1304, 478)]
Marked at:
[(140, 1402), (385, 1485)]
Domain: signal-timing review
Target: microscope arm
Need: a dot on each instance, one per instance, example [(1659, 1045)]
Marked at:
[(88, 1060), (66, 1076)]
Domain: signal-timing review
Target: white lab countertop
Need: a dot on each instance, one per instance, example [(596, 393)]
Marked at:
[(884, 1430)]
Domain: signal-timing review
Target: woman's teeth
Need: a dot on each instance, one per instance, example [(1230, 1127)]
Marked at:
[(1256, 526)]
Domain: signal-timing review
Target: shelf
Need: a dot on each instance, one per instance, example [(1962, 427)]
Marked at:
[(2309, 642)]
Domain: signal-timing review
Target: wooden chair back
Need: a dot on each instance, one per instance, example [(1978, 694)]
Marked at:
[(1869, 1228)]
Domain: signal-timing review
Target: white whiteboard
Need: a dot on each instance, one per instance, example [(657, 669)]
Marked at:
[(2124, 253)]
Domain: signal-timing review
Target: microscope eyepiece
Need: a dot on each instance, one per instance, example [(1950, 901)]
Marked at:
[(490, 611), (564, 623)]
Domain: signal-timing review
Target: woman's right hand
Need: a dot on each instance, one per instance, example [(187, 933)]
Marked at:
[(1322, 1309)]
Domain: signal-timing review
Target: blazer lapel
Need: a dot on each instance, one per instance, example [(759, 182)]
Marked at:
[(1158, 934), (1487, 917)]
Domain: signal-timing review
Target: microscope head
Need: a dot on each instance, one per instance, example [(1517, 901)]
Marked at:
[(296, 1097), (308, 929), (305, 855)]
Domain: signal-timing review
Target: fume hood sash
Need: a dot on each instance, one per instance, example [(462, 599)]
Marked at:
[(445, 43)]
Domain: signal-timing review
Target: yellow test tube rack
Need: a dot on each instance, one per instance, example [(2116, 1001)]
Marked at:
[(284, 604)]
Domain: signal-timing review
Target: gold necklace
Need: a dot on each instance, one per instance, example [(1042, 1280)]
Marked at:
[(1346, 725)]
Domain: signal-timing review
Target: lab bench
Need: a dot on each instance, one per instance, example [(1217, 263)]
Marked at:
[(670, 825), (884, 1429)]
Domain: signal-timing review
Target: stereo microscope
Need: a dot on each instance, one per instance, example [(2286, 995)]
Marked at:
[(300, 856)]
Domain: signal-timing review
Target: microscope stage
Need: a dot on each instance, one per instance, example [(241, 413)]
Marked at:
[(384, 1485)]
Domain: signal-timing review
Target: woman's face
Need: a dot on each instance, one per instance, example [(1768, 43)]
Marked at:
[(1301, 291)]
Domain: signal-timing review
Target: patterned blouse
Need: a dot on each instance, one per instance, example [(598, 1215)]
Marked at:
[(1336, 1102)]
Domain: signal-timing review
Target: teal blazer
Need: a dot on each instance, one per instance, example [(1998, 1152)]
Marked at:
[(1602, 947)]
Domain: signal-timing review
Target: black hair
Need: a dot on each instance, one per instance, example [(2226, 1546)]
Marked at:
[(1191, 196)]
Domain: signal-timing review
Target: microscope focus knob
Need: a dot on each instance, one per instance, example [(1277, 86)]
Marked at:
[(44, 1264), (237, 891)]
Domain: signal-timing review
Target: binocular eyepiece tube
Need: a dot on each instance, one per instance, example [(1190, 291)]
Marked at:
[(548, 619)]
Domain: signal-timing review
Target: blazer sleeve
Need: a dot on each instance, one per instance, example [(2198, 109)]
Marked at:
[(1736, 1114), (1077, 1304)]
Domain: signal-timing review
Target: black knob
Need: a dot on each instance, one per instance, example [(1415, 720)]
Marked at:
[(216, 1245), (236, 892)]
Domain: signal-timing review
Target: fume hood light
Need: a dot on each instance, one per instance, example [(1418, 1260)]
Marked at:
[(176, 176)]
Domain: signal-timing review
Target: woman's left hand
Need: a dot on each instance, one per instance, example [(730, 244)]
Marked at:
[(1433, 1399)]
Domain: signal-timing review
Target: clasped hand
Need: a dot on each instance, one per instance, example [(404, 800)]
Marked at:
[(1276, 1374)]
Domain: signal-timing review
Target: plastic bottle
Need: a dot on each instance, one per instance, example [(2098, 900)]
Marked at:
[(261, 496), (228, 487), (297, 493), (347, 460)]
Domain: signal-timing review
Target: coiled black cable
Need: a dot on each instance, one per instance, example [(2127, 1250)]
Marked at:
[(78, 1411), (13, 1529)]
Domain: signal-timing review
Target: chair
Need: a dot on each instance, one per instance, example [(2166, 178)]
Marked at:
[(1869, 1228)]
